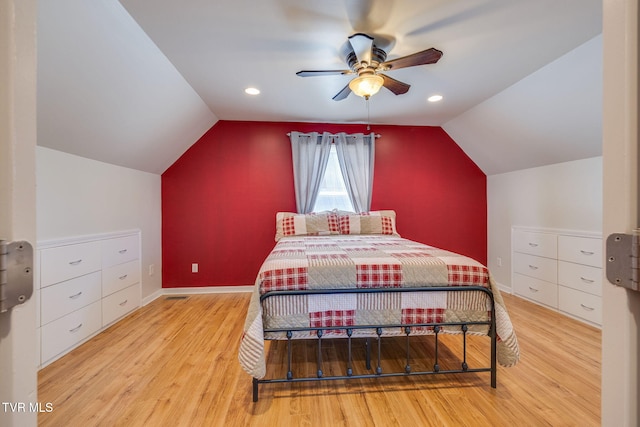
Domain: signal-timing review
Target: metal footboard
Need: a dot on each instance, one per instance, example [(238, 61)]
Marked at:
[(377, 332)]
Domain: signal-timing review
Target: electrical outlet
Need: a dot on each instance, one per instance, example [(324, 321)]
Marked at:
[(499, 262), (194, 267), (152, 269)]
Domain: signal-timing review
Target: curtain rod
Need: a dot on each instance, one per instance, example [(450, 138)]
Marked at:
[(377, 135)]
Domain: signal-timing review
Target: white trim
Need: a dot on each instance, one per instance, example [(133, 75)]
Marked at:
[(44, 244), (562, 231), (150, 298), (504, 289), (196, 291)]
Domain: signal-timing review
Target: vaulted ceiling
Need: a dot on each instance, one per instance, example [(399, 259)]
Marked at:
[(136, 82)]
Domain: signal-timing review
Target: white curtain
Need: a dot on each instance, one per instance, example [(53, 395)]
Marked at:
[(310, 154), (356, 153)]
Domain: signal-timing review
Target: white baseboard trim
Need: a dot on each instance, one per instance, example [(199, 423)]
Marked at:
[(503, 289), (195, 291), (232, 289), (149, 298)]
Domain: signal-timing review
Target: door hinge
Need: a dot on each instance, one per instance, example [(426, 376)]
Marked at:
[(16, 273), (623, 259)]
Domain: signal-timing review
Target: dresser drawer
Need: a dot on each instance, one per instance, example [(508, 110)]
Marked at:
[(66, 262), (117, 305), (537, 290), (580, 277), (120, 250), (69, 330), (534, 266), (62, 298), (120, 276), (541, 244), (582, 250), (580, 304)]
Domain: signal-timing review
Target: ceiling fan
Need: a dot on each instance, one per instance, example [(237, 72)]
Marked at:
[(368, 62)]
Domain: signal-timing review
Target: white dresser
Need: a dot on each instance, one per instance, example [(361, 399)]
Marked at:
[(84, 284), (561, 269)]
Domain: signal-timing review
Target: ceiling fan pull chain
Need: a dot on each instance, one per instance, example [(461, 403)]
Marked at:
[(368, 114)]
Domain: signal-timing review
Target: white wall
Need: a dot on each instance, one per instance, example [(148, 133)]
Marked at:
[(78, 196), (564, 195)]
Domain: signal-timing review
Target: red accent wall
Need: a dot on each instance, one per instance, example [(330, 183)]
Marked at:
[(219, 199)]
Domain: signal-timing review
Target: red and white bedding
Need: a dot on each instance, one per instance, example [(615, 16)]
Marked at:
[(367, 261)]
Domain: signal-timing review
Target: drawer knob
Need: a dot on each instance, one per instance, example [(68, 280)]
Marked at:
[(586, 307), (583, 252), (533, 245), (533, 267), (76, 262), (77, 328), (533, 289), (123, 303), (123, 277), (122, 251), (584, 279), (74, 296)]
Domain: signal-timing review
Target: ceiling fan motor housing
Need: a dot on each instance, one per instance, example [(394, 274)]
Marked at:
[(368, 61), (378, 56)]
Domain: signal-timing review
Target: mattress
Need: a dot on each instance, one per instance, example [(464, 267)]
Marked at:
[(367, 264)]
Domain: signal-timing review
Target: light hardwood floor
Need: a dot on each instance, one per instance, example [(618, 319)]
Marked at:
[(174, 363)]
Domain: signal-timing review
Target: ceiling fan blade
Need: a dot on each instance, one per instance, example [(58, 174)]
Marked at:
[(466, 14), (368, 15), (342, 94), (312, 73), (362, 44), (429, 56), (395, 86)]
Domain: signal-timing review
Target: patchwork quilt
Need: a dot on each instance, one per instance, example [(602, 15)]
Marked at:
[(367, 262)]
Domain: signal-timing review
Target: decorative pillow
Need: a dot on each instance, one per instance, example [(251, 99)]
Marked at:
[(375, 222), (312, 224)]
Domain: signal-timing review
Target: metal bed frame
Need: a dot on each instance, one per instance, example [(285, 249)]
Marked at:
[(377, 332)]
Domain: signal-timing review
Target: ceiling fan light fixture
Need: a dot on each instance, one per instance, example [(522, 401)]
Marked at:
[(366, 85), (252, 91), (434, 98)]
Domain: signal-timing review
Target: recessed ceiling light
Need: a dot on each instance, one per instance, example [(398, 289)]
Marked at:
[(252, 91), (434, 98)]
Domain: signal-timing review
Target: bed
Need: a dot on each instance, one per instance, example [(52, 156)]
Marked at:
[(351, 276)]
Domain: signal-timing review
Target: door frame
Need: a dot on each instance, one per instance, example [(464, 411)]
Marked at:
[(621, 307), (18, 70)]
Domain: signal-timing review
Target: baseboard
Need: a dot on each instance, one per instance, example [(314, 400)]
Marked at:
[(194, 291), (232, 289), (149, 298), (503, 289)]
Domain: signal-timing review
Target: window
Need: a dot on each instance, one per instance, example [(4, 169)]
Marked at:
[(333, 191), (312, 152)]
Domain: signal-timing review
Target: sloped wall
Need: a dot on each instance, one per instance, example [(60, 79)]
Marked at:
[(565, 195), (220, 198), (78, 196)]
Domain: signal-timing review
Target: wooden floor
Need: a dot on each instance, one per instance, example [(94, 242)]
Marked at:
[(174, 363)]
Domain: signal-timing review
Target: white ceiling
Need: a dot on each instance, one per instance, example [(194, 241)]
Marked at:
[(520, 78)]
